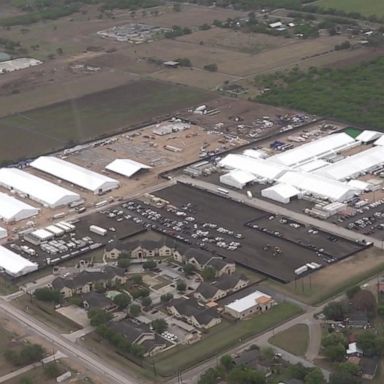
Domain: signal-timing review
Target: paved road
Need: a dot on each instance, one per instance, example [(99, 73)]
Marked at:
[(279, 210), (88, 359)]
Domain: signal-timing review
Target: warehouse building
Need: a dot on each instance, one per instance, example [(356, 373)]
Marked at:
[(14, 264), (75, 174), (12, 209), (35, 188), (237, 179), (253, 303), (126, 167), (282, 193)]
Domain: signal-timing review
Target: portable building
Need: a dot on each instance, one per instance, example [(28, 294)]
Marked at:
[(283, 193), (126, 167), (237, 179)]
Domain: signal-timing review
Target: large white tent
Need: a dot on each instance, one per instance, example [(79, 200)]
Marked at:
[(14, 264), (126, 167), (283, 193), (368, 136), (319, 148), (36, 188), (380, 141), (237, 179), (354, 165), (75, 174), (318, 185), (262, 169), (12, 209)]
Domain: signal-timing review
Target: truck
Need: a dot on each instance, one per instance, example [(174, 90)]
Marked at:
[(98, 230)]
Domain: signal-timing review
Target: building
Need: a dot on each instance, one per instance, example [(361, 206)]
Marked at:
[(368, 136), (249, 305), (354, 350), (282, 193), (358, 319), (12, 209), (17, 64), (95, 300), (193, 313), (15, 265), (36, 188), (87, 281), (72, 173), (126, 167), (237, 179)]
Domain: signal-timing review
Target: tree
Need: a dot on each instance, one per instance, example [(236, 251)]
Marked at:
[(380, 309), (333, 339), (189, 269), (244, 375), (315, 377), (159, 325), (210, 376), (166, 297), (137, 279), (149, 265), (267, 354), (59, 51), (181, 285), (146, 301), (134, 310), (298, 371), (51, 370), (26, 380), (370, 343), (335, 310), (208, 273), (99, 316), (335, 352), (227, 362), (47, 294), (351, 292), (123, 262), (365, 301), (345, 374), (122, 300)]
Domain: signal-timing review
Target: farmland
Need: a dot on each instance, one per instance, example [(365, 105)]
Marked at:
[(77, 120), (352, 94), (366, 7)]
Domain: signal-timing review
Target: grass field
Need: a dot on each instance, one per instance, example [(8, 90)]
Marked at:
[(365, 7), (221, 338), (352, 94), (293, 340), (100, 114)]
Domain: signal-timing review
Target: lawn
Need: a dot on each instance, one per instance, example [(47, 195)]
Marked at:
[(96, 115), (221, 338), (293, 340), (352, 94), (365, 7)]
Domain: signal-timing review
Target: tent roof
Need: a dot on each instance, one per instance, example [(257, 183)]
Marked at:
[(15, 264), (367, 136), (73, 173), (284, 190), (126, 167), (36, 187), (380, 141), (11, 207)]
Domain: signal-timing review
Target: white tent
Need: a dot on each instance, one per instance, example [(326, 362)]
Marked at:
[(317, 185), (313, 165), (14, 264), (37, 189), (368, 136), (263, 169), (12, 209), (3, 233), (126, 167), (354, 165), (283, 193), (380, 141), (319, 148), (75, 174), (237, 179), (255, 153), (360, 185)]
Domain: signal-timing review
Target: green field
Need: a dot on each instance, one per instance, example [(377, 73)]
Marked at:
[(353, 94), (221, 338), (365, 7), (100, 114), (293, 340)]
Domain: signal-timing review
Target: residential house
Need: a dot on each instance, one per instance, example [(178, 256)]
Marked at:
[(358, 319), (95, 300), (252, 359), (193, 313), (354, 350), (87, 281), (140, 335), (206, 292)]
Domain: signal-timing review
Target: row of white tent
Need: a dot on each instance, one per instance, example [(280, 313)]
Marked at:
[(50, 194), (304, 169)]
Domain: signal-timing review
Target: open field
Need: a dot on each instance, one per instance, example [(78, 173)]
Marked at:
[(183, 357), (366, 7), (336, 278), (293, 340), (349, 94), (96, 115)]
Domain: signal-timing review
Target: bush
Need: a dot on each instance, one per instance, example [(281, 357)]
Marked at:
[(146, 301), (149, 265), (47, 294), (30, 353), (52, 370), (211, 67), (181, 286), (166, 297)]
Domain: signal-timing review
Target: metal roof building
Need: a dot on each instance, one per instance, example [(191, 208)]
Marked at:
[(35, 188), (75, 174), (354, 165), (237, 179), (319, 148), (12, 209), (283, 193), (126, 167), (260, 168), (14, 264), (317, 185)]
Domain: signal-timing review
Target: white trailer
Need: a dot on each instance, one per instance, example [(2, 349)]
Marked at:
[(98, 230)]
